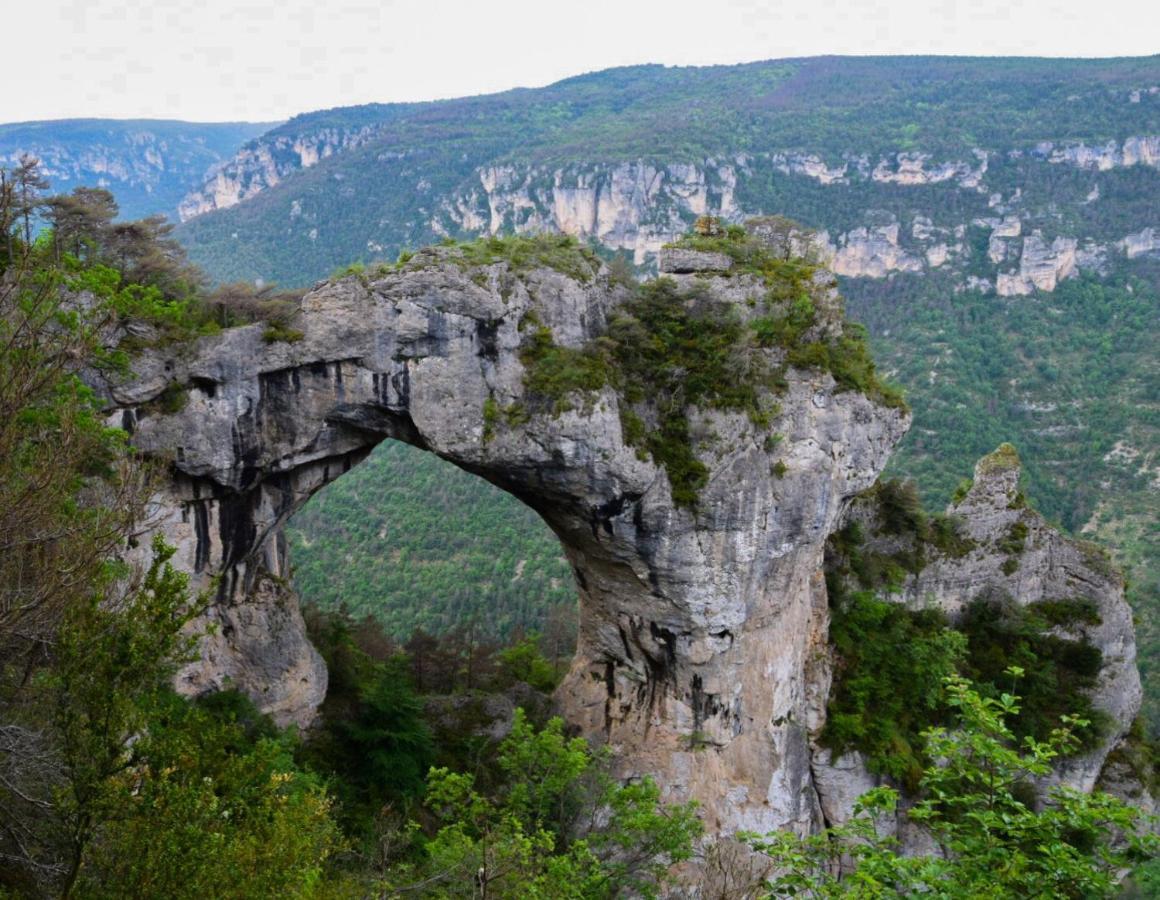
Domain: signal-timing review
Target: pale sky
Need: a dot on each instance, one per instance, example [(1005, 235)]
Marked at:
[(263, 60)]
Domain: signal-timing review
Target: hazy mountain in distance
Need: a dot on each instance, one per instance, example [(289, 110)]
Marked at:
[(148, 164)]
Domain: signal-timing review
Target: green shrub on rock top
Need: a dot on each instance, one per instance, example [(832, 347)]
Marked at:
[(671, 347), (523, 253)]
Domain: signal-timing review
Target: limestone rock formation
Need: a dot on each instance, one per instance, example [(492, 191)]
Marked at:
[(703, 657), (1041, 266), (871, 253), (697, 625), (264, 162)]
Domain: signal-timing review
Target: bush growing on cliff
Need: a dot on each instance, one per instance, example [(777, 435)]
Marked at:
[(669, 349), (891, 664), (1059, 672), (994, 843)]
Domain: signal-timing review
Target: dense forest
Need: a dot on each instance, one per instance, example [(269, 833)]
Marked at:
[(419, 544)]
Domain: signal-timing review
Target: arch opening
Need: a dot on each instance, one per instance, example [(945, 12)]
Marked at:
[(427, 551)]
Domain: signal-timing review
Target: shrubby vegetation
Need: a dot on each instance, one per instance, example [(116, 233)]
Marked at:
[(888, 682), (669, 349), (891, 659), (434, 803), (109, 783), (977, 804)]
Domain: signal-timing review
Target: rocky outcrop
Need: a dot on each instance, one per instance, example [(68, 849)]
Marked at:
[(148, 166), (1041, 266), (1134, 151), (870, 253), (698, 625), (633, 206), (638, 207), (1042, 565), (678, 261), (917, 168), (703, 657), (1145, 241)]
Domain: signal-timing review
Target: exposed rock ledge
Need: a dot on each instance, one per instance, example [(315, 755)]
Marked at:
[(702, 646)]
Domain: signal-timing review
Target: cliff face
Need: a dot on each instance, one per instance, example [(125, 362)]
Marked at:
[(636, 206), (264, 162), (702, 655)]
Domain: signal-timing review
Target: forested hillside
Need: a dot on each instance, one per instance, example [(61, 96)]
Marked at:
[(369, 181), (417, 543)]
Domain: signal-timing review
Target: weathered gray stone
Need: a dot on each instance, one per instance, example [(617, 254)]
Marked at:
[(703, 656), (697, 626), (1050, 566), (676, 261)]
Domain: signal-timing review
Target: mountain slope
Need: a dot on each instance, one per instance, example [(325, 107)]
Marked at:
[(631, 155), (148, 164)]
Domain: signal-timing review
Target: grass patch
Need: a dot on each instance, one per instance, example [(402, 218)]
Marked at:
[(277, 333), (523, 253)]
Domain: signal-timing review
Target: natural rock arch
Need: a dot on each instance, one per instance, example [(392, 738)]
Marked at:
[(701, 629)]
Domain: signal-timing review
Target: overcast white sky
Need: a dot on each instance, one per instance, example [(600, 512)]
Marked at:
[(262, 60)]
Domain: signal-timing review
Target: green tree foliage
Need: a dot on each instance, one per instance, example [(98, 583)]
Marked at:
[(109, 784), (523, 661), (148, 793), (891, 658), (372, 738), (538, 836), (209, 809), (975, 805), (891, 666), (436, 547), (1059, 672)]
